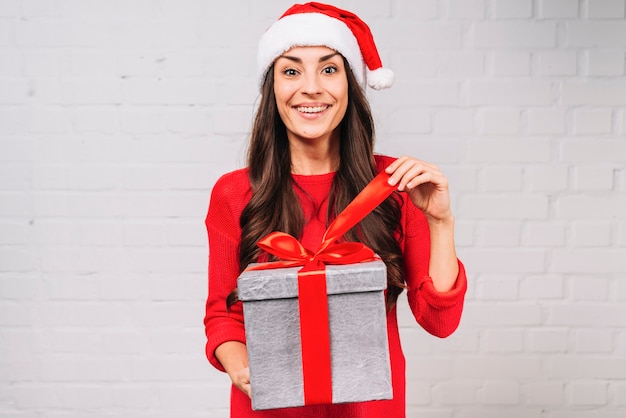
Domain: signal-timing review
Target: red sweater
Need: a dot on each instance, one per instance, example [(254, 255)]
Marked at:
[(438, 313)]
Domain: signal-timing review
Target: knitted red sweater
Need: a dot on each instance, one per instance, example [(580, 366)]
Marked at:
[(438, 313)]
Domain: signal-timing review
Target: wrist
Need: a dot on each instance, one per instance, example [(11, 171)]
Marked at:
[(444, 222)]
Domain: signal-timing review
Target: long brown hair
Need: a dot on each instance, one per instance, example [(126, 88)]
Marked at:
[(274, 205)]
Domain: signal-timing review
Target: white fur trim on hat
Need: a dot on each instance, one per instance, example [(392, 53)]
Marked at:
[(309, 29)]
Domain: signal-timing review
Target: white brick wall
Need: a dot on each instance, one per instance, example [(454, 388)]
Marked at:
[(117, 116)]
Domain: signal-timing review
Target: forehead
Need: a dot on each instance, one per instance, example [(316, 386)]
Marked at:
[(310, 52)]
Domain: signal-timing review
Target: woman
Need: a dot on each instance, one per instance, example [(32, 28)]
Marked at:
[(310, 153)]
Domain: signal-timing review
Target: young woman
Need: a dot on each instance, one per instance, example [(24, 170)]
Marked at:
[(310, 153)]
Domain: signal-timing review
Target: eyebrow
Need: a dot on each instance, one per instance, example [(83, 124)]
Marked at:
[(299, 60)]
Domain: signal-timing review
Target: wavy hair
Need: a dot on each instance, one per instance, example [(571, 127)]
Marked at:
[(274, 205)]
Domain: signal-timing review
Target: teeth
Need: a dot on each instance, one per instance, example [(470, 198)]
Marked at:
[(315, 109)]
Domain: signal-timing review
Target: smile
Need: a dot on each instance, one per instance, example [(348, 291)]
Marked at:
[(314, 109)]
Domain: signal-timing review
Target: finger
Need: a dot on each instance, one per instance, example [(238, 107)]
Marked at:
[(401, 170)]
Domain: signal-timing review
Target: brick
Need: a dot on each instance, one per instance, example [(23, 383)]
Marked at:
[(589, 288), (593, 122), (421, 393), (97, 91), (406, 121), (497, 287), (587, 261), (170, 92), (467, 9), (499, 367), (558, 63), (13, 120), (587, 393), (558, 9), (589, 314), (131, 397), (599, 9), (621, 123), (512, 206), (592, 234), (460, 64), (507, 315), (420, 9), (503, 341), (594, 94), (432, 93), (548, 178), (500, 122), (546, 121), (541, 287), (507, 9), (514, 35), (14, 176), (500, 234), (545, 234), (15, 91), (500, 392), (594, 341), (495, 411), (454, 122), (544, 393), (509, 151), (19, 287), (620, 393), (510, 93), (10, 63), (157, 33), (502, 179), (9, 8), (425, 36), (548, 340), (594, 150), (508, 63), (590, 208), (96, 119), (589, 33), (455, 393), (429, 367), (61, 33), (49, 120), (594, 178), (605, 63), (407, 64)]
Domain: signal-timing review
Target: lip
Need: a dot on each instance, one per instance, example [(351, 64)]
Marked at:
[(311, 110)]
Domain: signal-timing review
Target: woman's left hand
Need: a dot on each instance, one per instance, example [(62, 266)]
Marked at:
[(425, 184)]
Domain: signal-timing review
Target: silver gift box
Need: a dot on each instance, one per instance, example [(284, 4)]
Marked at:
[(358, 334)]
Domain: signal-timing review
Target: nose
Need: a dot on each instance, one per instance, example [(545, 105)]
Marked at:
[(311, 83)]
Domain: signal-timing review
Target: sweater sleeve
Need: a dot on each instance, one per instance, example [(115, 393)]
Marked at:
[(439, 313), (222, 224)]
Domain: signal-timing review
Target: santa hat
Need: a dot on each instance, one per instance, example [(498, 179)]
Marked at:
[(317, 24)]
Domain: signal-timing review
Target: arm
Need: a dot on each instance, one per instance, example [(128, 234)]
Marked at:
[(225, 347), (435, 277)]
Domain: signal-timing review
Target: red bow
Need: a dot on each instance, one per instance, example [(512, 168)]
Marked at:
[(312, 296)]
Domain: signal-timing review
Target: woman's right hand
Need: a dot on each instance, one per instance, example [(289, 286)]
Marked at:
[(234, 357), (241, 380)]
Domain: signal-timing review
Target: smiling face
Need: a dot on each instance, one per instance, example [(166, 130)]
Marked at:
[(311, 89)]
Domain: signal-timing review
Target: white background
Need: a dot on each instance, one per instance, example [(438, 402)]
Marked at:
[(117, 116)]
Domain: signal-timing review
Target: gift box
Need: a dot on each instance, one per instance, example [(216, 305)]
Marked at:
[(357, 326)]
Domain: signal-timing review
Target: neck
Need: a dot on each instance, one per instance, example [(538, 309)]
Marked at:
[(316, 157)]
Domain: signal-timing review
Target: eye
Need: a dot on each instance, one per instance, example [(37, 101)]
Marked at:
[(330, 69), (290, 72)]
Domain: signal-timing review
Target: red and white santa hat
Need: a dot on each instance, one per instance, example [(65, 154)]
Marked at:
[(317, 24)]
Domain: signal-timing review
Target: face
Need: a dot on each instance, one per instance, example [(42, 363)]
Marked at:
[(311, 88)]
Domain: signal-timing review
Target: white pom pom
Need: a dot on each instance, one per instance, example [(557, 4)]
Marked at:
[(381, 78)]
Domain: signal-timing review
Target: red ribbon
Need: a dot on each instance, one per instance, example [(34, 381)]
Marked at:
[(312, 296)]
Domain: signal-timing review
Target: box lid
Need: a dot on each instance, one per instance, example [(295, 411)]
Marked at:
[(283, 283)]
